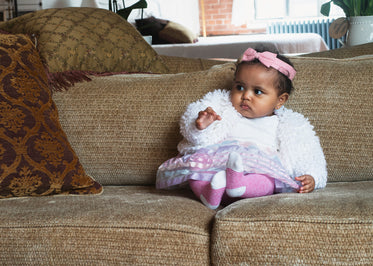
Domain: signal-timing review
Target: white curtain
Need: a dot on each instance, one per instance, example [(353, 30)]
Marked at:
[(243, 12)]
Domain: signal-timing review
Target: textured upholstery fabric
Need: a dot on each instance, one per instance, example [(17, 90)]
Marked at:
[(177, 64), (87, 39), (314, 97), (36, 158), (123, 226), (345, 52), (126, 144), (338, 105), (332, 226)]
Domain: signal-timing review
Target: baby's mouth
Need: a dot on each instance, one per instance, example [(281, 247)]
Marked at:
[(244, 106)]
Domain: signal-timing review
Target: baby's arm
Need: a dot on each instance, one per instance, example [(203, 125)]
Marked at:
[(206, 118), (195, 138), (301, 152)]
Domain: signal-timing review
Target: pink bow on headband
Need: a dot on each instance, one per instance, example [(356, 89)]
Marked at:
[(270, 60)]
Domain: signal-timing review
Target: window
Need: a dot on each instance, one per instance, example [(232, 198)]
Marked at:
[(278, 9), (268, 9), (303, 8)]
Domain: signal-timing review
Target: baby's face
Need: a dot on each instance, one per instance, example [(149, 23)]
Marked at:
[(254, 93)]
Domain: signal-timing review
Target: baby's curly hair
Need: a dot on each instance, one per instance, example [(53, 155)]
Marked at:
[(284, 84)]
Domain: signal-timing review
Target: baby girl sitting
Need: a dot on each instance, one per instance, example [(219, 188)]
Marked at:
[(244, 143)]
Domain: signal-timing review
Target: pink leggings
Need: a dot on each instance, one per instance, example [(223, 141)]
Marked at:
[(232, 184)]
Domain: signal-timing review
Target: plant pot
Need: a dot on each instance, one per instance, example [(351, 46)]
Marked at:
[(360, 30)]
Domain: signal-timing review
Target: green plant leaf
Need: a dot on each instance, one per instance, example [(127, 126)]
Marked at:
[(325, 9), (358, 8), (368, 8), (346, 5), (350, 7)]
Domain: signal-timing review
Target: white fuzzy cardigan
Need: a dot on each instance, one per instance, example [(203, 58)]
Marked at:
[(299, 148)]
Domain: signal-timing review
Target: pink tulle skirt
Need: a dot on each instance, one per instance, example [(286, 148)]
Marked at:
[(206, 162)]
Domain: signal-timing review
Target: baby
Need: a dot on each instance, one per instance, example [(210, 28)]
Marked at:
[(244, 143)]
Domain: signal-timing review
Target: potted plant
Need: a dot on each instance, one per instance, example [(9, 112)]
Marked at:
[(358, 21)]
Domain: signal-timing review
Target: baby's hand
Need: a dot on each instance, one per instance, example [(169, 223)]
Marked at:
[(308, 183), (206, 118)]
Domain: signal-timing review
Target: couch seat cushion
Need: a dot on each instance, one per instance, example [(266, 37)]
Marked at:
[(125, 225), (329, 226)]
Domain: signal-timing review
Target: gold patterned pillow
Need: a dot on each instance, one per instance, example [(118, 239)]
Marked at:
[(35, 157), (88, 39)]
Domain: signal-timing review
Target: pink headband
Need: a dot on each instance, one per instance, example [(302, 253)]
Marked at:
[(270, 60)]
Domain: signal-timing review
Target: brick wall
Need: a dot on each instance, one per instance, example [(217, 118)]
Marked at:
[(218, 15)]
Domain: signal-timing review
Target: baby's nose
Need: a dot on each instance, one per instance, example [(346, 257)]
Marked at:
[(246, 95)]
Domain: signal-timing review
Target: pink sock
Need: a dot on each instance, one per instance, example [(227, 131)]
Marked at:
[(234, 172), (212, 192), (246, 186)]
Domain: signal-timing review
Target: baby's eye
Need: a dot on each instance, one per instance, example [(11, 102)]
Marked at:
[(258, 92), (239, 88)]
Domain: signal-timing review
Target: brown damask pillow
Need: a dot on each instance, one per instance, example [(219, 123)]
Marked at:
[(36, 158), (87, 39)]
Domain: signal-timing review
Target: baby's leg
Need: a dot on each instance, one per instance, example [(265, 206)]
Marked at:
[(257, 186), (246, 186), (212, 192)]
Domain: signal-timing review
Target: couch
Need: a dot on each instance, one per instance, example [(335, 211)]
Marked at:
[(118, 119)]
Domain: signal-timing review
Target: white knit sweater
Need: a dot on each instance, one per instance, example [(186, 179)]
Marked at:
[(298, 146)]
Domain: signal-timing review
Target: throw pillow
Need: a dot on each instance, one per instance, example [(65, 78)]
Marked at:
[(176, 33), (36, 158), (88, 39)]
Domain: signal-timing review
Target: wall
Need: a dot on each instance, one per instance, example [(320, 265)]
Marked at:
[(218, 15)]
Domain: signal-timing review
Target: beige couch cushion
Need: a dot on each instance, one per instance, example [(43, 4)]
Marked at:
[(336, 95), (332, 226), (87, 39), (123, 226), (123, 127)]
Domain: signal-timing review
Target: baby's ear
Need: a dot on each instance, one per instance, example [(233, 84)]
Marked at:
[(282, 99)]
